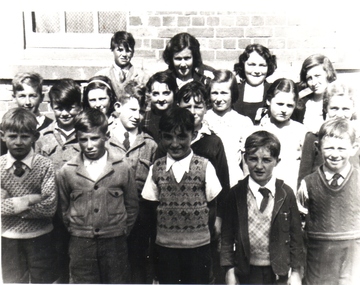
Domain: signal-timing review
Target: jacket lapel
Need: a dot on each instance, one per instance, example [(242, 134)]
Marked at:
[(280, 196)]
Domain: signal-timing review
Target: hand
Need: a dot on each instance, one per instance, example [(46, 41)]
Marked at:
[(34, 199), (294, 279), (217, 227), (230, 277), (21, 204)]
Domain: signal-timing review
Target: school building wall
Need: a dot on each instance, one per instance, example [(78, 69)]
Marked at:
[(289, 33)]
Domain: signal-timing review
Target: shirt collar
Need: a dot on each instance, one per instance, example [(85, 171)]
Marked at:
[(101, 160), (119, 69), (28, 160), (329, 173), (184, 163), (56, 127), (254, 186), (203, 131)]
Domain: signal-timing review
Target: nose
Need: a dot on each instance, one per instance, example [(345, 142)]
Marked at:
[(64, 113), (192, 110), (89, 145), (259, 165), (27, 100), (174, 143), (18, 140)]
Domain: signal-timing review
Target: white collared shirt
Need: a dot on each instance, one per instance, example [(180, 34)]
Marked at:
[(68, 133), (254, 187), (40, 119), (253, 94), (179, 167), (200, 133), (95, 167), (28, 160), (302, 196), (180, 83), (118, 131)]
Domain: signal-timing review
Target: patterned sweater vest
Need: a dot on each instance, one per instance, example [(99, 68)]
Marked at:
[(259, 231), (334, 212), (182, 214), (39, 180)]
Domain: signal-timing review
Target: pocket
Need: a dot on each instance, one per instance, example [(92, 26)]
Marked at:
[(285, 221), (142, 169), (77, 204), (115, 205)]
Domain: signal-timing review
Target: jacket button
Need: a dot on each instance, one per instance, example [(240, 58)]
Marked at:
[(116, 193), (64, 148), (96, 187), (96, 210), (97, 230)]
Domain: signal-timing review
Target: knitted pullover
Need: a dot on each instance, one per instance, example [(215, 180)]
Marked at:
[(334, 212), (182, 214), (40, 179)]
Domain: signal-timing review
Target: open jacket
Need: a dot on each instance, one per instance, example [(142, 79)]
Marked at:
[(105, 207), (286, 242)]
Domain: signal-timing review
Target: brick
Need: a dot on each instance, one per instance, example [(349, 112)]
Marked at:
[(154, 21), (135, 21), (229, 32), (183, 21), (276, 43), (207, 55), (168, 12), (202, 32), (169, 21), (157, 44), (207, 13), (143, 32), (213, 21), (227, 21), (275, 20), (190, 13), (253, 32), (169, 32), (145, 53), (243, 43), (257, 21), (227, 55), (229, 43), (198, 21), (146, 43), (261, 41), (242, 21), (215, 44)]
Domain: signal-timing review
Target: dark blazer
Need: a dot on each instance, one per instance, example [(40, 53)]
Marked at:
[(286, 242), (249, 109)]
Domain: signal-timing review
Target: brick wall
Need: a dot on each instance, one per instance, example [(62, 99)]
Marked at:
[(289, 33)]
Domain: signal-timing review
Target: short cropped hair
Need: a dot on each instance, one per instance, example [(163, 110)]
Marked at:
[(179, 42), (123, 38), (175, 118), (338, 88), (162, 77), (224, 75), (91, 119), (262, 139), (19, 120), (315, 60), (337, 128), (103, 83), (197, 91), (65, 92), (134, 90), (27, 78), (283, 85), (264, 52)]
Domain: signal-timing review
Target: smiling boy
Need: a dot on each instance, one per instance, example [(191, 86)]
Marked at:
[(261, 237), (183, 183), (330, 198), (99, 205)]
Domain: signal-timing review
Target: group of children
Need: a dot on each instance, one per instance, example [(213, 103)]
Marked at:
[(166, 167)]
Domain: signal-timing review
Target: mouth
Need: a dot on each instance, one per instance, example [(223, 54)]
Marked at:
[(161, 103)]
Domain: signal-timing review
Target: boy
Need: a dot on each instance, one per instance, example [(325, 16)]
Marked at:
[(122, 45), (161, 89), (27, 93), (28, 203), (183, 183), (99, 205), (58, 142), (330, 197), (139, 148), (261, 237)]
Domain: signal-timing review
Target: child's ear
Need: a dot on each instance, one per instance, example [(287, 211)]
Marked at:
[(194, 134), (117, 106), (278, 160), (317, 146), (355, 148), (2, 134), (268, 102)]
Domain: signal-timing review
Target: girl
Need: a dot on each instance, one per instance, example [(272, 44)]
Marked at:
[(228, 124), (99, 94), (339, 101), (183, 57), (254, 66), (281, 98), (315, 75)]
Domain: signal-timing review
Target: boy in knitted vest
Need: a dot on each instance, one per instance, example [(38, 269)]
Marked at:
[(28, 203), (330, 198), (261, 239), (183, 183)]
